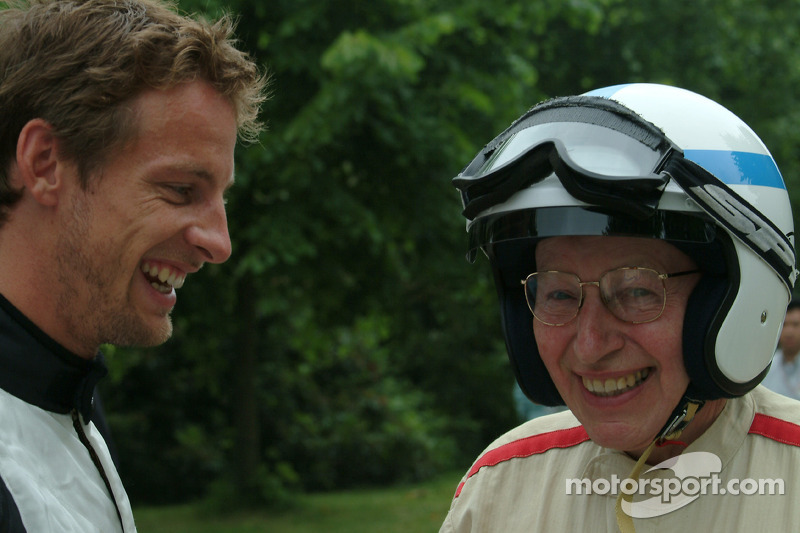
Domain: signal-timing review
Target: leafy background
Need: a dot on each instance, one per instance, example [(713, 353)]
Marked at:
[(347, 342)]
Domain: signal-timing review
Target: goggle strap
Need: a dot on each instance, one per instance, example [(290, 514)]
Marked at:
[(737, 215)]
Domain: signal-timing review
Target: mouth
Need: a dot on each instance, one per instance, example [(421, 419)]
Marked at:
[(163, 278), (616, 386)]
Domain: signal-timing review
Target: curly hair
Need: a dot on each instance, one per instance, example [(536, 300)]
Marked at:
[(78, 63)]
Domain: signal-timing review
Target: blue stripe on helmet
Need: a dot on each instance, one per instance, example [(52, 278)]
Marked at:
[(607, 92), (739, 168)]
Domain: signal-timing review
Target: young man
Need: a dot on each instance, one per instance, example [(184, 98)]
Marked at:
[(119, 125), (784, 374), (640, 238)]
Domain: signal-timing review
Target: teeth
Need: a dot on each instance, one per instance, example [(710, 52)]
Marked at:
[(614, 387), (163, 279), (161, 288)]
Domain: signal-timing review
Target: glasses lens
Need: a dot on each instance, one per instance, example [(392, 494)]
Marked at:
[(553, 297), (633, 294)]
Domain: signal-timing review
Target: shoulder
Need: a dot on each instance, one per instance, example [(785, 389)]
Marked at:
[(776, 417), (511, 486), (536, 437), (559, 430)]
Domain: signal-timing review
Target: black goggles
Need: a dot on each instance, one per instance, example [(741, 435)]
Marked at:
[(605, 155), (600, 151), (637, 195)]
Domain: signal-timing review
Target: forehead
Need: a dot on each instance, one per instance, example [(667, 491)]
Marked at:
[(190, 128), (195, 105)]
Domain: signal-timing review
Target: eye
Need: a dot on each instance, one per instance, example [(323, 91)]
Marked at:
[(637, 295), (179, 193), (554, 288), (183, 190), (561, 295), (640, 292), (638, 299)]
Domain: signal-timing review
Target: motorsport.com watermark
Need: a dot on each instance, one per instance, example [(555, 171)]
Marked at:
[(695, 474)]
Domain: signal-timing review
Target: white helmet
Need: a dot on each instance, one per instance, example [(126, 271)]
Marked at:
[(652, 161)]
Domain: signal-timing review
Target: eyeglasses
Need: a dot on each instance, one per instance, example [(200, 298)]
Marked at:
[(633, 294)]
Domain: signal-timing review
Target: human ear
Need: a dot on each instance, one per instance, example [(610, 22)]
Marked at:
[(39, 166)]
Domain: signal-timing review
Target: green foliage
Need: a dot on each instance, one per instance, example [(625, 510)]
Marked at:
[(420, 507), (347, 341)]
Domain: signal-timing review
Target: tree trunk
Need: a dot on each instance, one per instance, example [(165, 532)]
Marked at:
[(247, 446)]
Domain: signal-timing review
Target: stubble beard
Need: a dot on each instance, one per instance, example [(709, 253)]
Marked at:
[(85, 303)]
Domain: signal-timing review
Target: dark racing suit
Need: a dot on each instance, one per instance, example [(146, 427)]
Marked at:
[(56, 473)]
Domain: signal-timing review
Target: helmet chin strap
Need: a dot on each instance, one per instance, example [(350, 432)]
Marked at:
[(683, 414), (679, 419)]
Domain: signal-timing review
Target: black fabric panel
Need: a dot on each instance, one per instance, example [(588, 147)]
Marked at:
[(39, 371), (10, 520)]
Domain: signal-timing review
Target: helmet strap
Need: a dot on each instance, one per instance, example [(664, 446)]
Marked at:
[(737, 215), (680, 418)]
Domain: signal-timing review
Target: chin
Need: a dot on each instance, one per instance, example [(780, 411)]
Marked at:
[(621, 436), (160, 335), (141, 334)]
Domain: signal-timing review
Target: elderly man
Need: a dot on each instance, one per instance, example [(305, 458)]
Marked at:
[(119, 125), (640, 239)]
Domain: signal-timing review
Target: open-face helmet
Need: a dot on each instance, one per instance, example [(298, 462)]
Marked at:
[(650, 161)]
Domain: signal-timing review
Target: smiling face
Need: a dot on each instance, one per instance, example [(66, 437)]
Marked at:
[(152, 215), (620, 380)]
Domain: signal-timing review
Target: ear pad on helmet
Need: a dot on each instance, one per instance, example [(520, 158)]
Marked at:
[(512, 261), (706, 309), (532, 375), (699, 331)]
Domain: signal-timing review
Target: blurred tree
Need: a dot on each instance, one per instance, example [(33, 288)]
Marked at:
[(347, 341)]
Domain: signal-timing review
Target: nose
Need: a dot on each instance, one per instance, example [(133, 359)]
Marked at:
[(209, 233), (597, 332)]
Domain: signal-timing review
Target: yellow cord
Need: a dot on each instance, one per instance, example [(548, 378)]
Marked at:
[(624, 520)]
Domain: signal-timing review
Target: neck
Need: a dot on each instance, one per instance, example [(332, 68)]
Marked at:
[(29, 275)]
